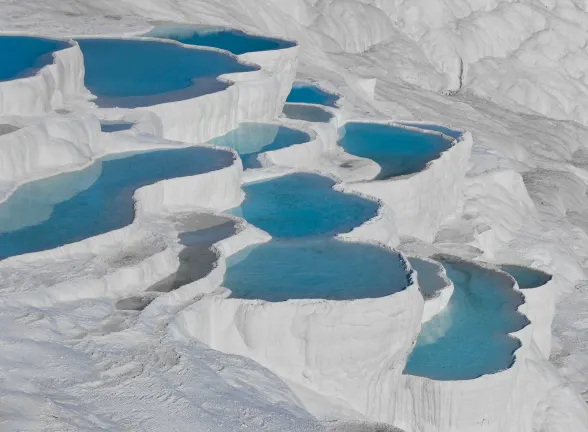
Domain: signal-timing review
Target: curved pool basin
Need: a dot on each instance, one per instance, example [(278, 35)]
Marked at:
[(24, 55), (251, 139), (314, 269), (234, 41), (452, 133), (74, 206), (397, 150), (302, 205), (130, 73), (526, 277), (307, 113), (303, 92), (469, 338)]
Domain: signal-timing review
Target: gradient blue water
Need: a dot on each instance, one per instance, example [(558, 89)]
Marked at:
[(314, 269), (231, 40), (118, 68), (20, 54), (306, 113), (252, 139), (469, 338), (526, 277), (398, 151), (302, 204), (74, 206), (311, 94)]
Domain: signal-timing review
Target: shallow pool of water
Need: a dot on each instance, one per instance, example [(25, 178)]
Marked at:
[(69, 207), (314, 269), (526, 277), (469, 338), (23, 55), (131, 73), (397, 150), (235, 41), (252, 139), (312, 94), (302, 204), (115, 126), (307, 113)]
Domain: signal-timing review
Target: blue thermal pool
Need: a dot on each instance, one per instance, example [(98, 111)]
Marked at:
[(469, 338), (24, 55), (69, 207), (302, 204), (314, 269), (307, 113), (234, 41), (398, 151), (526, 277), (252, 139), (134, 73), (309, 93)]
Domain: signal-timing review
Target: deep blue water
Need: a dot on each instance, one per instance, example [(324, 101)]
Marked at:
[(314, 269), (306, 113), (70, 207), (469, 338), (130, 73), (302, 204), (251, 139), (235, 41), (312, 94), (22, 54), (526, 277), (398, 151)]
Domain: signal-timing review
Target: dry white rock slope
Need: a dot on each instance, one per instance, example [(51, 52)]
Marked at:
[(514, 74)]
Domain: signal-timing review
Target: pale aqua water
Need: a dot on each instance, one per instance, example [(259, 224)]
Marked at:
[(306, 113), (252, 139), (23, 55), (470, 337), (314, 269), (70, 207), (302, 205), (526, 277), (398, 151), (227, 39), (311, 94), (132, 73)]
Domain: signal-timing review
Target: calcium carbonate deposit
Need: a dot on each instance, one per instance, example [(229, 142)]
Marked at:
[(305, 216)]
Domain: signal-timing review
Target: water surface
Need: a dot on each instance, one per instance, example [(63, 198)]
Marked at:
[(74, 206), (235, 41), (251, 139), (469, 338), (24, 55), (303, 204), (314, 269), (312, 94), (398, 150)]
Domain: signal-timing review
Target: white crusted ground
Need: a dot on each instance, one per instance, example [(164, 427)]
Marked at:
[(515, 77)]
